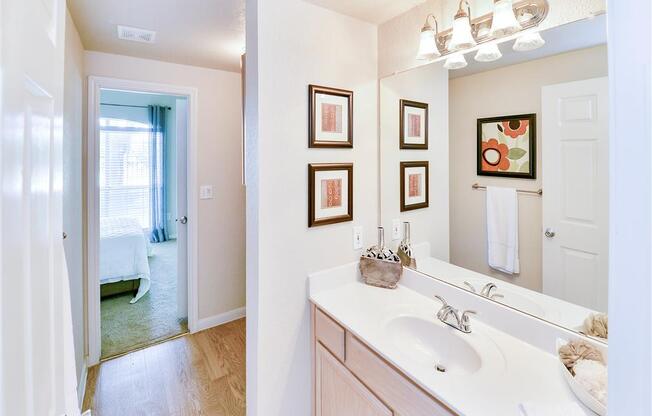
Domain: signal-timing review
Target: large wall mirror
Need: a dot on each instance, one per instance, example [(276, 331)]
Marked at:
[(501, 170)]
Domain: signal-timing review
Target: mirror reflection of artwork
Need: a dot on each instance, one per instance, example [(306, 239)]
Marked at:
[(414, 185), (330, 193), (413, 125), (507, 146), (331, 117)]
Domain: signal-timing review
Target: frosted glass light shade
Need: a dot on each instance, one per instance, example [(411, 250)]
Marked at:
[(455, 61), (504, 22), (488, 53), (427, 45), (462, 37), (528, 42)]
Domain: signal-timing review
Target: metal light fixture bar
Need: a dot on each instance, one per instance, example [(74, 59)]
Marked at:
[(537, 8)]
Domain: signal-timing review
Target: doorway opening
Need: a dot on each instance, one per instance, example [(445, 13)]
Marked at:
[(141, 207)]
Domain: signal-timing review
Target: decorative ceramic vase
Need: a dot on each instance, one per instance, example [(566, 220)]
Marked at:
[(379, 265), (405, 252)]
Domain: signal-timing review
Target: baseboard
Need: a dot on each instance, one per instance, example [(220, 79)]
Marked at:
[(220, 319), (81, 385)]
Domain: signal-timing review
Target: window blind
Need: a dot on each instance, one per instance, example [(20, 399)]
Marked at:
[(124, 176)]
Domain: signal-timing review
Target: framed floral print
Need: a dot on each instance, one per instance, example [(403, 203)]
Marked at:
[(331, 117), (414, 185), (507, 146), (413, 122), (330, 193)]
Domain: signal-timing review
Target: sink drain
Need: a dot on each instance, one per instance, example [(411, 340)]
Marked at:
[(440, 368)]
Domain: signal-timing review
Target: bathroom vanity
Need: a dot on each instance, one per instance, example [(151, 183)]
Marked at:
[(383, 352)]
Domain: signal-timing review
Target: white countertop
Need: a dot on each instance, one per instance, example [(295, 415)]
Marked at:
[(518, 371)]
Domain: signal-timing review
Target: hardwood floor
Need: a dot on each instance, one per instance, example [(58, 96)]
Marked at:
[(199, 374)]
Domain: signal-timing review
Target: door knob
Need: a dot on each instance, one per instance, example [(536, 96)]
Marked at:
[(183, 219), (550, 233)]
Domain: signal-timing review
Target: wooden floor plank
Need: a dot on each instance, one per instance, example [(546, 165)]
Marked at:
[(199, 374)]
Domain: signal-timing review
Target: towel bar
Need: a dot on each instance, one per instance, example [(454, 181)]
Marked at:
[(522, 191)]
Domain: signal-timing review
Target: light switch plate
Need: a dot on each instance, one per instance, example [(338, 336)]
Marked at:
[(396, 229), (357, 238), (206, 192)]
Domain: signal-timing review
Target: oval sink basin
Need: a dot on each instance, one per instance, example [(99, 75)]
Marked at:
[(433, 344)]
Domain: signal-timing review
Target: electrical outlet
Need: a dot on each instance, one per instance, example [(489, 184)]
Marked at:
[(357, 238), (396, 229)]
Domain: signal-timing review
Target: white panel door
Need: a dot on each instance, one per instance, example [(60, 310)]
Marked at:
[(37, 373), (181, 114), (576, 192)]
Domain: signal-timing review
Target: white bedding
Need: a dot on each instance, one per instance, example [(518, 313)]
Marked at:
[(123, 253)]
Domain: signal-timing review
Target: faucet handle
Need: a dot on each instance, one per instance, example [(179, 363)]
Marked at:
[(442, 300), (465, 315), (470, 286)]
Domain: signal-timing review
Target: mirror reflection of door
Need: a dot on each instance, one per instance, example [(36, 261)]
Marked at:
[(576, 198)]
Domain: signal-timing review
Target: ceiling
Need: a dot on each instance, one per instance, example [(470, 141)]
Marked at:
[(559, 39), (207, 33), (373, 11)]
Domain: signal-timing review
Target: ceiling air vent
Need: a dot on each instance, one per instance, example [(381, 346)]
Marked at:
[(136, 35)]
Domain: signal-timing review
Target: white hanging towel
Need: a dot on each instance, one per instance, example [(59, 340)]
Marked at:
[(502, 229)]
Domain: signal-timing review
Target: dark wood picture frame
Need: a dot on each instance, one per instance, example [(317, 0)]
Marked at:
[(532, 148), (313, 168), (417, 164), (313, 140), (415, 104)]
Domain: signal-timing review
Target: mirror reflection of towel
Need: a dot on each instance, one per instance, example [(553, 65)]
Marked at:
[(502, 229)]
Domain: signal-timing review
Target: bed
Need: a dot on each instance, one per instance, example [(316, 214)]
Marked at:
[(124, 252)]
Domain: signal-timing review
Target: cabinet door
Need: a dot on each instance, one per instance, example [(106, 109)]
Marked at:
[(339, 393)]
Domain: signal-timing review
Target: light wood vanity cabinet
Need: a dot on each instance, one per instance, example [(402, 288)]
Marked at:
[(352, 380)]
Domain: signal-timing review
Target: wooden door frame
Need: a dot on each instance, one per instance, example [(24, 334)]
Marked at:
[(95, 84)]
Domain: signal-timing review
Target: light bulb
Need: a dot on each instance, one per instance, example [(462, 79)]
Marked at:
[(504, 22), (427, 44), (455, 61), (528, 42), (488, 53), (462, 36)]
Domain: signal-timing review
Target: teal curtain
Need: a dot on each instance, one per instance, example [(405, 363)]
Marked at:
[(159, 211)]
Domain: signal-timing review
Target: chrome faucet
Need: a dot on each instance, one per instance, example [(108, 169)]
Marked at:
[(486, 290), (451, 316)]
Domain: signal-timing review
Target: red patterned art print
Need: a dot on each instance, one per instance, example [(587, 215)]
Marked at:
[(331, 118), (331, 193)]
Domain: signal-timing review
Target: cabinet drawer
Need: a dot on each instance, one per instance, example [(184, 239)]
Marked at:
[(399, 393), (330, 334)]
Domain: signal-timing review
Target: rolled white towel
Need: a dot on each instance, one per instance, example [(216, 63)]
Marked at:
[(551, 409)]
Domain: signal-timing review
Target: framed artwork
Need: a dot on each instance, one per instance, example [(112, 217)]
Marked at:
[(413, 122), (330, 193), (507, 146), (331, 117), (414, 185)]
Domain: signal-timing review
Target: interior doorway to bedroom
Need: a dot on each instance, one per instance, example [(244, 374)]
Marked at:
[(141, 177)]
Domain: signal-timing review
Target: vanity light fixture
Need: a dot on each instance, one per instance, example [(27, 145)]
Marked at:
[(488, 53), (462, 33), (510, 19), (428, 40), (504, 21), (455, 61)]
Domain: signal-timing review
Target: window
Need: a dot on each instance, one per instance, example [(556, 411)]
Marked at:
[(125, 169)]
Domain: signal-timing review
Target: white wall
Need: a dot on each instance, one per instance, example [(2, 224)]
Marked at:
[(428, 84), (630, 208), (293, 44), (514, 89), (398, 38), (221, 261), (72, 186)]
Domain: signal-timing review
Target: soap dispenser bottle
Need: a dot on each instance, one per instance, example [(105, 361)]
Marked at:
[(405, 251)]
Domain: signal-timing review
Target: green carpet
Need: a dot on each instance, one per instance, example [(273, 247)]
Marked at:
[(128, 326)]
